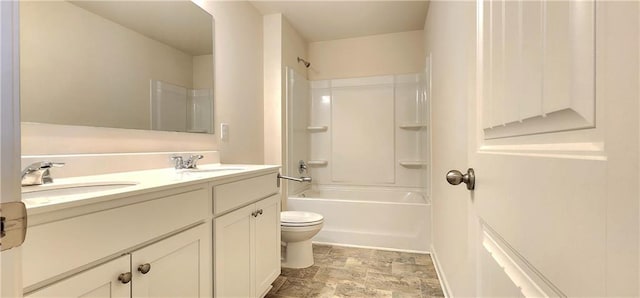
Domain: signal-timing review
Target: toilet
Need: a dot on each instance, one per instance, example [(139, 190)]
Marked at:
[(298, 227)]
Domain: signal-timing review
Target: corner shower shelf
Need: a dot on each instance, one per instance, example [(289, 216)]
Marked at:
[(317, 163), (317, 128), (413, 163), (413, 125)]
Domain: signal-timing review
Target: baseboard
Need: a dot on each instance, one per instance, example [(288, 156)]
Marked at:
[(443, 280), (372, 247)]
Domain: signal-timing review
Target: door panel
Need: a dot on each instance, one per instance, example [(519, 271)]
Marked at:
[(232, 246), (267, 243), (538, 66), (175, 266)]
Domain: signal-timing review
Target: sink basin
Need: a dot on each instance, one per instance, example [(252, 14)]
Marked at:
[(214, 169), (58, 190)]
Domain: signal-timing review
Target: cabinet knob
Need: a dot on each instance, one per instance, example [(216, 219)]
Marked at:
[(259, 211), (144, 268), (254, 213), (125, 278)]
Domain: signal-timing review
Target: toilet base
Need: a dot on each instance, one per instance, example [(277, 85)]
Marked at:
[(298, 255)]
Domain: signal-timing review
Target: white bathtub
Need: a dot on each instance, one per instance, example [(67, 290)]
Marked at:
[(398, 220)]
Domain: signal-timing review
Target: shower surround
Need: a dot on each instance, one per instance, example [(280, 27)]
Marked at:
[(365, 143)]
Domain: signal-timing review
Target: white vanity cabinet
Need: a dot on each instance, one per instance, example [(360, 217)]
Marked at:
[(160, 242), (246, 237), (191, 235), (168, 268), (172, 267), (100, 282)]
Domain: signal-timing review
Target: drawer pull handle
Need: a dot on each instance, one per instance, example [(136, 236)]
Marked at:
[(144, 268), (125, 278)]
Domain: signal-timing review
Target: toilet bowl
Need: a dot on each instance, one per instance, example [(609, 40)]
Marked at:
[(298, 227)]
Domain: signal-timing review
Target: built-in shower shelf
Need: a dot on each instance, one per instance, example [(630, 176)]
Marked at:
[(317, 128), (317, 163), (413, 163), (413, 125)]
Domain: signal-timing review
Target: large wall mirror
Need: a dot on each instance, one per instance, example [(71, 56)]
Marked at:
[(122, 64)]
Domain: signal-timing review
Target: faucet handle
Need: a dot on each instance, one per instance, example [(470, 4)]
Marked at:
[(192, 163), (36, 166), (178, 160)]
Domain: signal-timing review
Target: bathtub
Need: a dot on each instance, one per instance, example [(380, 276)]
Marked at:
[(398, 220)]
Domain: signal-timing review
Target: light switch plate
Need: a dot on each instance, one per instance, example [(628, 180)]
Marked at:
[(224, 131)]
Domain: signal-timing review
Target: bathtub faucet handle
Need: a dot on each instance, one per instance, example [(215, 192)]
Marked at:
[(301, 179)]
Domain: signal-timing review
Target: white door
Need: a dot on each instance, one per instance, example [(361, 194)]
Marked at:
[(449, 32), (10, 260), (554, 144), (547, 110)]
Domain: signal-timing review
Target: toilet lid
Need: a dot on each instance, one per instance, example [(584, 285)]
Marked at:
[(300, 218)]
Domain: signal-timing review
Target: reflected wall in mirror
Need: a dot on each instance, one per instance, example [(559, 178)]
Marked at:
[(122, 64)]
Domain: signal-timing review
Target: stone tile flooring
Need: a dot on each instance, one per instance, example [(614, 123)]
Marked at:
[(357, 272)]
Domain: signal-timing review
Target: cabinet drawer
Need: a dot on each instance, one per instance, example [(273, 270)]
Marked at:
[(58, 247), (236, 194)]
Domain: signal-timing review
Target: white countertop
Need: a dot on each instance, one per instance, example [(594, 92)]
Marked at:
[(147, 181)]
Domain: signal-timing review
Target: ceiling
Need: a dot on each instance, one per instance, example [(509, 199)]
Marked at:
[(328, 20), (180, 24)]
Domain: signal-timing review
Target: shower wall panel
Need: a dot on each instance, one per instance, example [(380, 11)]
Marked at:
[(369, 132), (362, 142)]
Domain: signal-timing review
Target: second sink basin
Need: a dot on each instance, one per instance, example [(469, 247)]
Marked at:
[(57, 190)]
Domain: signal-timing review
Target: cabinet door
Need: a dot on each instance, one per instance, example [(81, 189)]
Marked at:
[(233, 254), (178, 266), (98, 282), (267, 243)]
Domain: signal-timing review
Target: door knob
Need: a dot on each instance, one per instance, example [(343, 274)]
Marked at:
[(455, 177)]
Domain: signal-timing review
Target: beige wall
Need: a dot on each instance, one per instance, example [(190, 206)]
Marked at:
[(283, 44), (202, 72), (394, 53), (96, 69), (238, 101), (238, 75), (293, 46), (273, 91)]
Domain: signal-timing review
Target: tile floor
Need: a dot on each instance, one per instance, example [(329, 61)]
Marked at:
[(357, 272)]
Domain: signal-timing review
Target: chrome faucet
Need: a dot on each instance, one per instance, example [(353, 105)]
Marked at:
[(38, 173), (191, 163)]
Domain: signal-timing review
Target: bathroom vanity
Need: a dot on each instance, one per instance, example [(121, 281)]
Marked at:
[(211, 232)]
